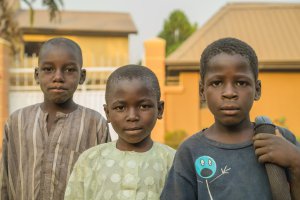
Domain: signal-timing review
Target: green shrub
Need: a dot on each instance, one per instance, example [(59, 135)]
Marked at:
[(174, 138), (281, 121)]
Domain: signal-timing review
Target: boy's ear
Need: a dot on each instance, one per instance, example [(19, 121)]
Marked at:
[(106, 113), (36, 75), (257, 90), (161, 107), (201, 92), (82, 76)]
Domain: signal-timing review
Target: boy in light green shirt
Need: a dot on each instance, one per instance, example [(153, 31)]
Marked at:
[(133, 167)]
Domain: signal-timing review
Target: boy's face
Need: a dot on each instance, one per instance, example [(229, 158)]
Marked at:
[(229, 88), (132, 109), (59, 73)]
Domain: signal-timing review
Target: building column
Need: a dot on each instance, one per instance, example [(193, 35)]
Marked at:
[(155, 60), (5, 61)]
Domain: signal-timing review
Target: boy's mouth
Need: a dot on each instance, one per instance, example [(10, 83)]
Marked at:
[(57, 88), (229, 110), (135, 129)]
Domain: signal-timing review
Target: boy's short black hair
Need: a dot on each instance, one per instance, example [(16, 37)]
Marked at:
[(130, 72), (231, 46), (62, 41)]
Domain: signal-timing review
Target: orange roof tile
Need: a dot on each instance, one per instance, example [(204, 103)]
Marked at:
[(76, 22), (273, 30)]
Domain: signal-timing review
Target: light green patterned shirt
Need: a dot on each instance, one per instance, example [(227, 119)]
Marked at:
[(104, 172)]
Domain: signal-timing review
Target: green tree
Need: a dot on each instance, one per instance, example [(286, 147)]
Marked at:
[(52, 5), (177, 29), (9, 29), (174, 138), (8, 26)]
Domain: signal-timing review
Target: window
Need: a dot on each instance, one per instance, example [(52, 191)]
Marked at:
[(32, 48)]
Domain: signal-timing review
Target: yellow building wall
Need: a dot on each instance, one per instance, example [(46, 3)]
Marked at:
[(5, 62), (182, 104), (280, 99), (96, 50)]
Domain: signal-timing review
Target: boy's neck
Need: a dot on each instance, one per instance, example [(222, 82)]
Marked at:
[(52, 108), (235, 134), (142, 146)]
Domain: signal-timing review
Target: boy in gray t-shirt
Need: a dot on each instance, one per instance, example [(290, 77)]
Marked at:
[(226, 161)]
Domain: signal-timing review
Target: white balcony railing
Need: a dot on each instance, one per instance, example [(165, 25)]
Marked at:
[(22, 79)]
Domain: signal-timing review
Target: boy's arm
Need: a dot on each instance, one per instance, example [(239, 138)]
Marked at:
[(276, 149)]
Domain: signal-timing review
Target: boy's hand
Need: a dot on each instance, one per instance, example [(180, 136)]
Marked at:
[(270, 148)]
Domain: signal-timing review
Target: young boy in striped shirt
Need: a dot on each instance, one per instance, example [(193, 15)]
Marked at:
[(42, 142)]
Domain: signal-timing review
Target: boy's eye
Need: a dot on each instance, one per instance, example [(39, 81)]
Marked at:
[(241, 83), (216, 83), (70, 69), (145, 106), (119, 108), (47, 69)]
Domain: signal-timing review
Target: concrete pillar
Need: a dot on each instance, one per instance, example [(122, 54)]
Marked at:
[(5, 61), (155, 60)]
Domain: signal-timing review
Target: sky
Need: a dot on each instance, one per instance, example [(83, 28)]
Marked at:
[(149, 15)]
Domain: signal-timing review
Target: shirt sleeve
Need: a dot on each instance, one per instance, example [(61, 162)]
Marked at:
[(181, 183), (103, 134), (4, 185)]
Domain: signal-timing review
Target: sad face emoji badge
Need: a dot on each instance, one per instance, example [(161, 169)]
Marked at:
[(206, 167)]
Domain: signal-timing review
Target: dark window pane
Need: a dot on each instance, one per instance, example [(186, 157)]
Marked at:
[(32, 48)]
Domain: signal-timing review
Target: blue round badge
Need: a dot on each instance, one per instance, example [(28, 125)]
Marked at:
[(206, 167)]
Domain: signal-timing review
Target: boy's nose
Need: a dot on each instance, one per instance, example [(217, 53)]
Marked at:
[(229, 92), (132, 115), (58, 76)]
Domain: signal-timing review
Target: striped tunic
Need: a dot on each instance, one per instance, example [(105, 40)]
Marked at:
[(36, 165)]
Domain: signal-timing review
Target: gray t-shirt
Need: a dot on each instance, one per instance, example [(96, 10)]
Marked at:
[(206, 169)]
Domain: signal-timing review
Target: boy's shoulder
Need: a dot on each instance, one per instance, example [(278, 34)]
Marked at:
[(105, 149), (26, 110), (29, 110), (101, 150), (193, 140), (92, 112), (164, 148), (193, 144)]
